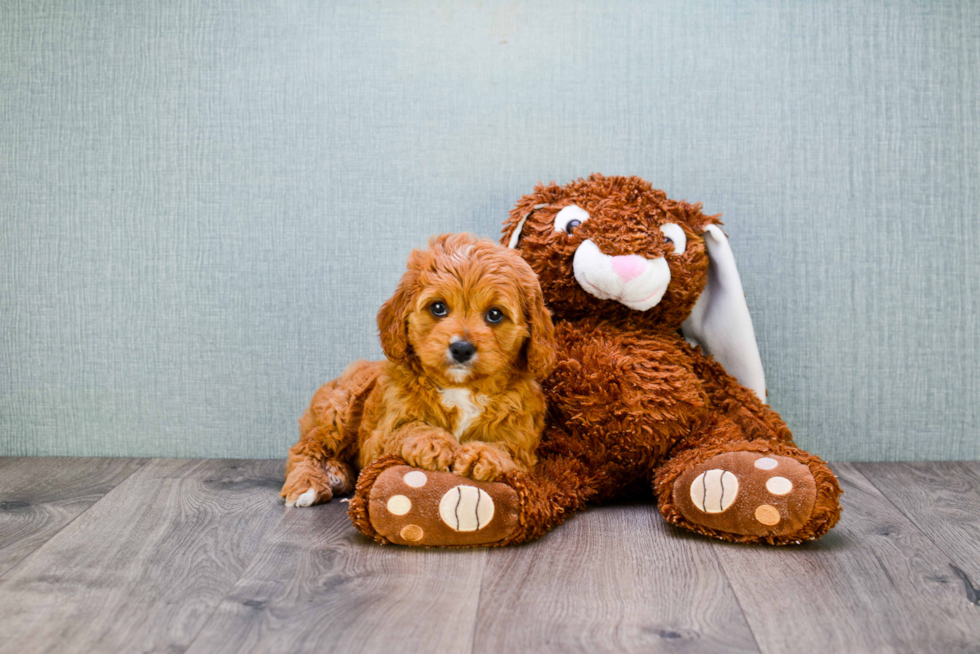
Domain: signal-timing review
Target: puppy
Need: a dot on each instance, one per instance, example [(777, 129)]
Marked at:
[(467, 337)]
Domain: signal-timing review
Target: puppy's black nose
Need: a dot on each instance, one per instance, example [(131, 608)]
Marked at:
[(462, 351)]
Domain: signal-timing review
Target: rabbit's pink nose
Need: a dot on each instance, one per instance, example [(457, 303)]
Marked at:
[(629, 267)]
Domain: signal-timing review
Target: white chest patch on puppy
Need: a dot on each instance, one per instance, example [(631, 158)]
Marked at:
[(469, 408)]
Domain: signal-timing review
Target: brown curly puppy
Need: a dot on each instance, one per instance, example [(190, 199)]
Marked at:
[(467, 336), (658, 381)]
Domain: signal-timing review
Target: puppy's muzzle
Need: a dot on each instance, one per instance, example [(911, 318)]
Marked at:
[(462, 351)]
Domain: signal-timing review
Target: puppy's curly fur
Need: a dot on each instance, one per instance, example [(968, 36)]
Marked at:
[(480, 418)]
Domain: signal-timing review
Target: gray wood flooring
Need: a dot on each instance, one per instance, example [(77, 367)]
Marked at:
[(126, 555)]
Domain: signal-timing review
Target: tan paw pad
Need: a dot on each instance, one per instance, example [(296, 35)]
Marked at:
[(714, 491), (466, 508)]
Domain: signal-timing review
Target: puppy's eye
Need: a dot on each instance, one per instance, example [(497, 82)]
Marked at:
[(439, 309), (674, 235), (569, 218), (494, 316)]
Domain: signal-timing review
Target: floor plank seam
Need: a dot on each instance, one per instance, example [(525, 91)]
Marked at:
[(910, 518), (738, 600), (72, 521), (231, 587), (939, 548), (479, 599)]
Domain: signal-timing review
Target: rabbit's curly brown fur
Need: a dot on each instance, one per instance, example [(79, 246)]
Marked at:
[(631, 402)]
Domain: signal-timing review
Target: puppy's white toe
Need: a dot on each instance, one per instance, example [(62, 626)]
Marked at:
[(306, 499)]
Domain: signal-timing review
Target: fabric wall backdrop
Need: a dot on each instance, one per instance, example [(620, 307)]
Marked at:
[(204, 204)]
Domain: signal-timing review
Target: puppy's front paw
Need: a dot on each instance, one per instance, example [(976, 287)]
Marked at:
[(430, 450), (307, 498), (482, 462), (308, 484)]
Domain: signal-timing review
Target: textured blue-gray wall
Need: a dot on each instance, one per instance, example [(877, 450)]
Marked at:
[(203, 204)]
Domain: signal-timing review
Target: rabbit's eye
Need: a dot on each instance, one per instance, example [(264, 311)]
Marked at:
[(674, 235), (569, 218)]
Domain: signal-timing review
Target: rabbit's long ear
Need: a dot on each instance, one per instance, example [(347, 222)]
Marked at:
[(720, 321), (515, 235)]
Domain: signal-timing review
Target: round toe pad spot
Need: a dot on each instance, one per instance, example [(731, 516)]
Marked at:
[(779, 485), (399, 505), (412, 533), (767, 515), (415, 479)]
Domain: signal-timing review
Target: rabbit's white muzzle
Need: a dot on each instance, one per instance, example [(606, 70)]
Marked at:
[(631, 280)]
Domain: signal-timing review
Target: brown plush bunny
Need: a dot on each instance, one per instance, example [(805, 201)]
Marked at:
[(659, 381)]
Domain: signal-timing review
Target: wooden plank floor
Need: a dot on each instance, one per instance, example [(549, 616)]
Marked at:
[(121, 555)]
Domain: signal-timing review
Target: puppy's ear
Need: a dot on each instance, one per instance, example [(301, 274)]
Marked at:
[(393, 318), (540, 347)]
